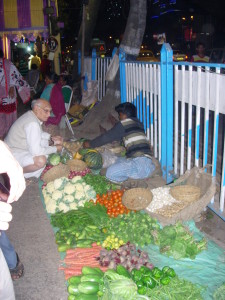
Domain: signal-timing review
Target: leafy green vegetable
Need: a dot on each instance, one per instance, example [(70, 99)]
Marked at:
[(176, 289), (177, 241), (219, 294), (99, 183)]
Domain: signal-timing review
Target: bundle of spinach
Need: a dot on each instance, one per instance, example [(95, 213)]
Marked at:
[(178, 242)]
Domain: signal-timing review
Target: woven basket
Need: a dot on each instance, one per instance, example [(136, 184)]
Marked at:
[(76, 165), (56, 172), (137, 198), (187, 193)]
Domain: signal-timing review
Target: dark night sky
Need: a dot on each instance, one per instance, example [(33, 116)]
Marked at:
[(116, 26)]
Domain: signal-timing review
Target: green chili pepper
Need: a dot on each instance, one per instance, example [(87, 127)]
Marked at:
[(142, 290), (165, 280), (157, 273)]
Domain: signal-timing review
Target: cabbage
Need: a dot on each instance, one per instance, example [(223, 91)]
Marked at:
[(54, 159), (118, 287)]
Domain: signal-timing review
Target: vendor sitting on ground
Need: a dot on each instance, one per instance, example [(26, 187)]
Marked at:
[(28, 143), (138, 164)]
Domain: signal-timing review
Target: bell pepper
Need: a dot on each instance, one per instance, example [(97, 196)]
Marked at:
[(139, 283), (157, 273), (149, 282), (171, 273), (145, 271), (137, 275), (165, 269), (165, 280), (142, 290)]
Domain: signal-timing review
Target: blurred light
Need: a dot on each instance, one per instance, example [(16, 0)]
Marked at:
[(192, 17), (183, 18), (15, 44), (28, 48), (110, 37)]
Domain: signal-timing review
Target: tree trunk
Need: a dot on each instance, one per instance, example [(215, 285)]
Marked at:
[(91, 16), (130, 44)]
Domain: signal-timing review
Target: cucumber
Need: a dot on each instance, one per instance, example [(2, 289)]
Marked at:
[(88, 288), (92, 278), (89, 270), (99, 271), (121, 270), (74, 279), (72, 297), (87, 297), (73, 289)]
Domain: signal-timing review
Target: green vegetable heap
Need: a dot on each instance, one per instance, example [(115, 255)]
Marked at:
[(99, 183), (77, 228), (177, 241), (133, 227)]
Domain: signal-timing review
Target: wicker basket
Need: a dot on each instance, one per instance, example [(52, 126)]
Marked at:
[(56, 172), (137, 198), (76, 165), (187, 193)]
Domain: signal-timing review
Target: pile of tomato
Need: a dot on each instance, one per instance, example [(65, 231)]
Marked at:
[(113, 202)]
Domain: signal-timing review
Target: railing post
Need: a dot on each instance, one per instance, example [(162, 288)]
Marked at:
[(93, 64), (79, 62), (122, 58), (114, 51), (167, 111)]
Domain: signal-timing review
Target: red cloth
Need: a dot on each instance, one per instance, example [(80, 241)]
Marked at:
[(45, 66), (58, 105)]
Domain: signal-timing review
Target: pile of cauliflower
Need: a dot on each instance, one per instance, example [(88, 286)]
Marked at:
[(63, 194)]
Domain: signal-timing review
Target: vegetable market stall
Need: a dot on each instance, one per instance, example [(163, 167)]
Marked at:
[(111, 252)]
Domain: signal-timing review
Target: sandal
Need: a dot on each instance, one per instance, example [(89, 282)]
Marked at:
[(18, 271)]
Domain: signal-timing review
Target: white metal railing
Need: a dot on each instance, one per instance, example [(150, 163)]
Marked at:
[(198, 106)]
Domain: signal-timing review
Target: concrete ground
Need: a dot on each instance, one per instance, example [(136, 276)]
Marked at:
[(31, 234)]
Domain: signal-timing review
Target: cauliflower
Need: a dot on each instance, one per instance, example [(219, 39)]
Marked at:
[(76, 179), (50, 187), (44, 192), (59, 182), (79, 187), (47, 198), (57, 195), (68, 198), (79, 195), (73, 205), (69, 188), (51, 207), (63, 207)]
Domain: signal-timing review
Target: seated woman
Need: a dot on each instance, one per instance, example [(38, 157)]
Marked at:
[(53, 94)]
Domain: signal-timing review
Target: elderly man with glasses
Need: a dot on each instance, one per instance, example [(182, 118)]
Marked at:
[(27, 141)]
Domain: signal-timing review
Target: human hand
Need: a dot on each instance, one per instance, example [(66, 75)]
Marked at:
[(59, 148), (5, 215), (11, 92), (58, 140), (86, 144), (9, 165)]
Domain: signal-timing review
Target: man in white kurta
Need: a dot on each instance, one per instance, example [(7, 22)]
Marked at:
[(27, 141)]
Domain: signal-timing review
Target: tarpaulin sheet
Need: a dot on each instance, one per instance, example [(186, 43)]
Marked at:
[(207, 269)]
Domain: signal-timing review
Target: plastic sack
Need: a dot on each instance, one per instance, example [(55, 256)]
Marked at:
[(108, 158), (65, 155)]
